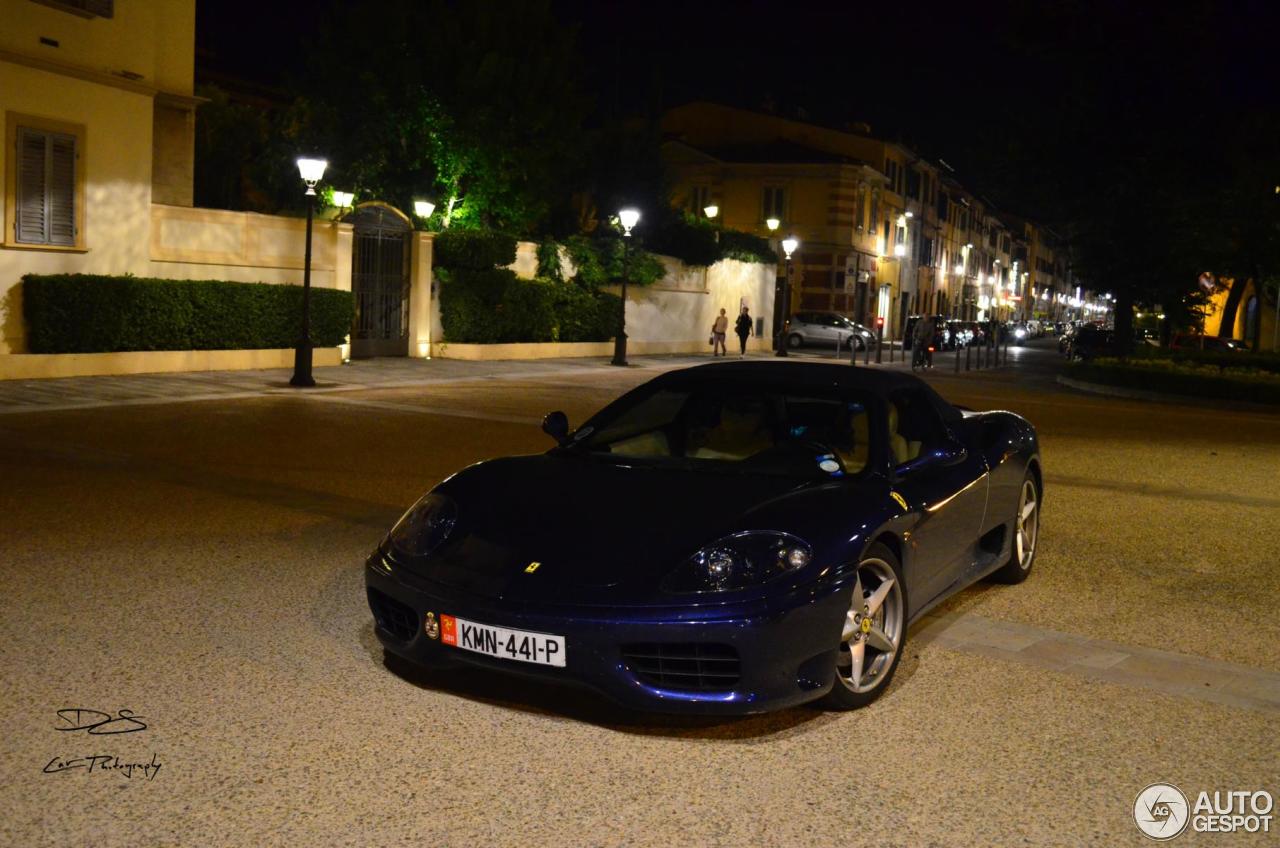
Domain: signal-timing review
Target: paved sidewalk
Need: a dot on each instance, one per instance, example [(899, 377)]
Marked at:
[(51, 395), (18, 396)]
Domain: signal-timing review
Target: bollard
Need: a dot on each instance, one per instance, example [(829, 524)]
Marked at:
[(967, 356), (879, 343), (956, 347), (866, 352)]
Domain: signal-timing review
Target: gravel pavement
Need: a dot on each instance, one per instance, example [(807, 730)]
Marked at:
[(200, 565)]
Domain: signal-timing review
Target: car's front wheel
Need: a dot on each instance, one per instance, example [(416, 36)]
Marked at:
[(874, 632), (795, 340)]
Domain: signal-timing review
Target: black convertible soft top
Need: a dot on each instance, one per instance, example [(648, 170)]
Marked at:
[(874, 380)]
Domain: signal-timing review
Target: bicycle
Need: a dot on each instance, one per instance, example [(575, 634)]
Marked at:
[(921, 356)]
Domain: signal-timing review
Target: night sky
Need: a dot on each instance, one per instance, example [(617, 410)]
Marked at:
[(949, 79)]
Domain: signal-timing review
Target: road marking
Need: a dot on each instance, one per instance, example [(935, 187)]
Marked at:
[(1184, 675)]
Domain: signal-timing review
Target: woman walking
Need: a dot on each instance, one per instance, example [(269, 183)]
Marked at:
[(718, 332), (743, 328)]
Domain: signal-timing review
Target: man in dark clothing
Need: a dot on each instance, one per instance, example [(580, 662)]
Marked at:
[(743, 328)]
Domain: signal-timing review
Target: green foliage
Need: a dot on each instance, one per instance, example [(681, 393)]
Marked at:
[(1168, 377), (540, 310), (697, 242), (477, 103), (475, 249), (90, 313), (745, 247), (590, 270), (599, 261), (549, 261), (692, 244)]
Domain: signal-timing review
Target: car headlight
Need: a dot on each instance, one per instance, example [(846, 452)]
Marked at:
[(425, 526), (1020, 333), (739, 561)]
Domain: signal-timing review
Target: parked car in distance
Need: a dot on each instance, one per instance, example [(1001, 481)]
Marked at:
[(824, 328), (1195, 341), (1090, 341)]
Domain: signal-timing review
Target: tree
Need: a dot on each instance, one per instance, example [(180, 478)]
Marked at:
[(474, 105), (1122, 153)]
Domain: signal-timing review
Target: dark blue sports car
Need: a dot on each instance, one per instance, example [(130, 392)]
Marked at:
[(731, 538)]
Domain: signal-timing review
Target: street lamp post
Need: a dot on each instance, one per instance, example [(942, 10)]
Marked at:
[(789, 245), (311, 171), (628, 218)]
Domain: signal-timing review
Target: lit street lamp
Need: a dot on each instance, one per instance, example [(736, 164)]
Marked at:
[(628, 218), (311, 171), (789, 245), (423, 208)]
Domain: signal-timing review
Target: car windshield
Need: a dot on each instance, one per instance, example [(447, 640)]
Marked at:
[(735, 428)]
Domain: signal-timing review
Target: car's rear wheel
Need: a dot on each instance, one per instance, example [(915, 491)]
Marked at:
[(1026, 533), (873, 634), (795, 340)]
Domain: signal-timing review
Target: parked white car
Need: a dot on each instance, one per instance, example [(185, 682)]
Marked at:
[(823, 328)]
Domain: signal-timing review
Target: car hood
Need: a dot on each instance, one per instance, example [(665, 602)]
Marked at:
[(598, 531)]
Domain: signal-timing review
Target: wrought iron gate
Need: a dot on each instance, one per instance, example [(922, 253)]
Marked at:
[(380, 282)]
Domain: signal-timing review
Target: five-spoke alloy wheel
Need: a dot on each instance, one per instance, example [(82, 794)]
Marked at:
[(1026, 531), (873, 633)]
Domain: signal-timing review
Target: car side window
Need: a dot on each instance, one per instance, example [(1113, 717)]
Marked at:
[(915, 427)]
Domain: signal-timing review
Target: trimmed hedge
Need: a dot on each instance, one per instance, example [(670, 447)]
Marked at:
[(1167, 377), (1222, 360), (475, 249), (540, 310), (91, 313)]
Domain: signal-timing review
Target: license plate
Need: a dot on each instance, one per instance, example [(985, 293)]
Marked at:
[(519, 645)]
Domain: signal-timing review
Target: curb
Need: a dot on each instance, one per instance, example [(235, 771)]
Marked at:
[(1161, 397)]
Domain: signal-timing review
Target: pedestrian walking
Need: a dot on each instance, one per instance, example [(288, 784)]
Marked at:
[(718, 332), (743, 328)]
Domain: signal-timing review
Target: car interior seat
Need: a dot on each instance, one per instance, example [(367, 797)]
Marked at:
[(902, 448), (741, 432)]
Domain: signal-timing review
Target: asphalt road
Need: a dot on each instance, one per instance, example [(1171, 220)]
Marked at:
[(199, 564)]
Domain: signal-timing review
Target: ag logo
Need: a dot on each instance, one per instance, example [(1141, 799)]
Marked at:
[(531, 567), (1161, 811)]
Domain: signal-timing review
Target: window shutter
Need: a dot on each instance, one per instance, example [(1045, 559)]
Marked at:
[(61, 210), (32, 221)]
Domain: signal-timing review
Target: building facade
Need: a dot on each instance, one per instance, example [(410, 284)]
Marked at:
[(98, 163), (884, 232)]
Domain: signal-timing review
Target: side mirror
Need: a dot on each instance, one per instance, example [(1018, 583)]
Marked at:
[(556, 425)]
